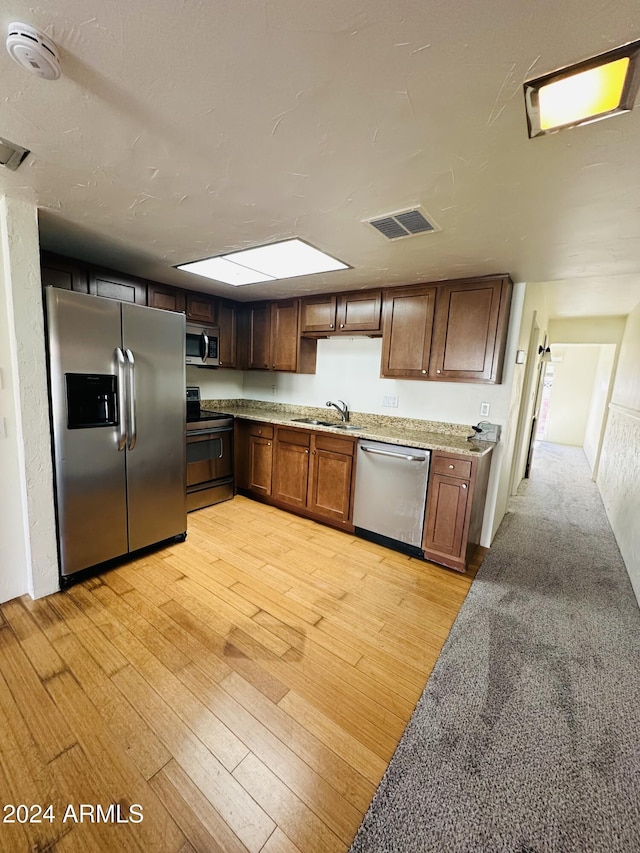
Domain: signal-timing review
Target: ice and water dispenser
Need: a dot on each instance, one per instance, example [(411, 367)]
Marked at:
[(91, 400)]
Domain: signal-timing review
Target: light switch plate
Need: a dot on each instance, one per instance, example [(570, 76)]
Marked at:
[(390, 400), (484, 410)]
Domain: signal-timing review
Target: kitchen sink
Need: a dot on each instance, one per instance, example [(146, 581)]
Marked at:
[(316, 422)]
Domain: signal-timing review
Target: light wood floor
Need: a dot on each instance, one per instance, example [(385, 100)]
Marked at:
[(247, 688)]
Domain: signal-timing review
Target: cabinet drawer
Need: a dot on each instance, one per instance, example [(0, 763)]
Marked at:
[(264, 430), (451, 467), (335, 445), (294, 436)]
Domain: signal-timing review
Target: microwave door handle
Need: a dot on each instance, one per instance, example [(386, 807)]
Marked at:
[(122, 397), (133, 429), (205, 347)]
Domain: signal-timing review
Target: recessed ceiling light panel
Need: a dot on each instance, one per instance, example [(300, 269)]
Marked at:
[(583, 93), (272, 262)]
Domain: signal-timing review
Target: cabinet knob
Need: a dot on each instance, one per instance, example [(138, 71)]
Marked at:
[(268, 444), (259, 432), (331, 325), (438, 371), (342, 325), (464, 485), (424, 371), (273, 367), (452, 467), (306, 451)]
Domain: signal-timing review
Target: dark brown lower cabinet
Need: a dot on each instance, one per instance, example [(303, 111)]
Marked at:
[(331, 482), (253, 447), (291, 479), (307, 472), (455, 508)]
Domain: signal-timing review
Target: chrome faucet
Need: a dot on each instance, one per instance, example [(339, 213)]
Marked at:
[(344, 409)]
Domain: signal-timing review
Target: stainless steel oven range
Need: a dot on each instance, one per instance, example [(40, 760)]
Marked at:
[(209, 454)]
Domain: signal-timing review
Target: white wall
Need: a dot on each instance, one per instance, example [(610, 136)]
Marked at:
[(619, 471), (28, 550), (531, 332), (602, 386), (216, 384), (570, 398)]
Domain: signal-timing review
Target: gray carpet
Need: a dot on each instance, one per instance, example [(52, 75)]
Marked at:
[(527, 736)]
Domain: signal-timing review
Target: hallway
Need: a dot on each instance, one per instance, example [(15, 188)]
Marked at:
[(526, 737)]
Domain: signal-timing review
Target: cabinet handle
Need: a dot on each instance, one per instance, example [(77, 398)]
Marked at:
[(424, 371), (452, 467), (438, 371), (464, 485)]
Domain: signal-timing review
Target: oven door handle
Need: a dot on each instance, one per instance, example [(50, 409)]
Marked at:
[(208, 431)]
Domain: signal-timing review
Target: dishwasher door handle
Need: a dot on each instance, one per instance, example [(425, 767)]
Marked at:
[(393, 455)]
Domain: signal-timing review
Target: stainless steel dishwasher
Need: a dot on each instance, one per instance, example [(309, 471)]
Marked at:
[(391, 494)]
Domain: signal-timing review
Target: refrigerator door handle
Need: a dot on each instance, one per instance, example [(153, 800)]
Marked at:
[(122, 416), (133, 431)]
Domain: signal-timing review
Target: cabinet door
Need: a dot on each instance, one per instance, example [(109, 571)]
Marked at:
[(227, 324), (115, 286), (331, 479), (201, 308), (406, 335), (292, 467), (58, 272), (470, 330), (284, 335), (166, 298), (359, 312), (258, 331), (446, 514), (318, 314), (260, 464)]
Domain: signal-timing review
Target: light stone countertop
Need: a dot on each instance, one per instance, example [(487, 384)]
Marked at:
[(412, 432)]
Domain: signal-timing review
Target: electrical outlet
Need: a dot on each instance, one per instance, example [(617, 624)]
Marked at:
[(484, 410), (390, 400), (273, 390)]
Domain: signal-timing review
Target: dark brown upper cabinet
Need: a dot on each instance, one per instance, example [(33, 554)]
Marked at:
[(63, 273), (407, 328), (269, 338), (228, 333), (166, 298), (470, 330), (201, 308), (451, 331), (113, 285), (342, 313)]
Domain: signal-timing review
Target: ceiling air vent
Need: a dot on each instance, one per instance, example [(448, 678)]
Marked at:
[(407, 223)]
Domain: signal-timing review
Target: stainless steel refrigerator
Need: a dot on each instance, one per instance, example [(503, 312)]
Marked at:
[(117, 384)]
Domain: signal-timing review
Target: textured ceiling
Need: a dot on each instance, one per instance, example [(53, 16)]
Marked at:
[(182, 129)]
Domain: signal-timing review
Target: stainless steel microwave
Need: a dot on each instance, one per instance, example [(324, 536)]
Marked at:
[(203, 345)]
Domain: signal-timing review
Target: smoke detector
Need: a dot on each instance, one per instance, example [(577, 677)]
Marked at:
[(33, 50)]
